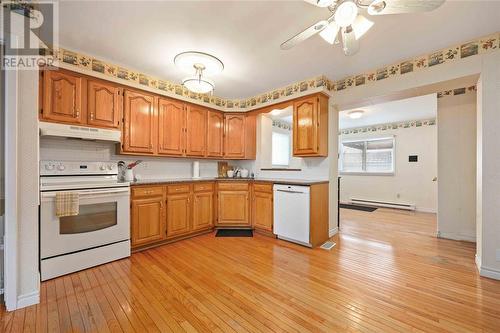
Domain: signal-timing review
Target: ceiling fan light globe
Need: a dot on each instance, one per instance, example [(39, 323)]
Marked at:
[(356, 114), (329, 34), (376, 7), (324, 3), (361, 25), (346, 13)]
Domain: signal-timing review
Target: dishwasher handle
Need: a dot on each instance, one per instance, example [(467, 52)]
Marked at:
[(289, 191)]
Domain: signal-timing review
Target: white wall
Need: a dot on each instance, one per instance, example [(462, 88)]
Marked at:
[(457, 167), (152, 168), (412, 181)]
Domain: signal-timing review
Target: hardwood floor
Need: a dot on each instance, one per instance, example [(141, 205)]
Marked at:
[(388, 273)]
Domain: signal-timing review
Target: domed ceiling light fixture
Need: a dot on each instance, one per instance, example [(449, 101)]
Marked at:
[(201, 63), (356, 114)]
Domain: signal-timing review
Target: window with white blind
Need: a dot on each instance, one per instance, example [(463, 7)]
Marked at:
[(280, 149), (374, 156)]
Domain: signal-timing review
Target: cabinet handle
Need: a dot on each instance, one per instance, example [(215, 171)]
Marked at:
[(91, 116)]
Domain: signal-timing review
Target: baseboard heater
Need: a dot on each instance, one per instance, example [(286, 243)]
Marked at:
[(383, 204)]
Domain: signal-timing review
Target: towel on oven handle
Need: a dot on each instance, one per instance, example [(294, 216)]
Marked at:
[(67, 204)]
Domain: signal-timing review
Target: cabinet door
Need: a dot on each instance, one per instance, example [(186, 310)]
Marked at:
[(62, 97), (196, 131), (262, 210), (233, 208), (203, 211), (178, 215), (171, 127), (215, 134), (305, 126), (103, 104), (148, 220), (234, 140), (140, 121)]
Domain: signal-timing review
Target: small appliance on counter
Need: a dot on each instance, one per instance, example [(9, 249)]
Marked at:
[(196, 170)]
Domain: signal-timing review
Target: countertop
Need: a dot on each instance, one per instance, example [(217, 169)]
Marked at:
[(206, 179)]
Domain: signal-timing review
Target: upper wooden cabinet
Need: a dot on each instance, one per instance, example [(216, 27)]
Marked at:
[(215, 134), (234, 136), (104, 104), (171, 127), (139, 128), (196, 130), (310, 126), (62, 97)]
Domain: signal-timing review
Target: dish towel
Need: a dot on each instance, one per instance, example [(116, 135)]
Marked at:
[(67, 204)]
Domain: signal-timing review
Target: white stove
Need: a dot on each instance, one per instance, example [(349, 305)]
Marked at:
[(100, 232)]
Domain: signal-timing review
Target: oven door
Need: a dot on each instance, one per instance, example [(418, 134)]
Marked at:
[(104, 218)]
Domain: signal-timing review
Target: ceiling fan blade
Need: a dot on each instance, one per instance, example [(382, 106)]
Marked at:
[(384, 7), (330, 33), (350, 43), (361, 25), (302, 36), (321, 3)]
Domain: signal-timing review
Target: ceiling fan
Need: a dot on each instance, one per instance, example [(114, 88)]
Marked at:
[(346, 21)]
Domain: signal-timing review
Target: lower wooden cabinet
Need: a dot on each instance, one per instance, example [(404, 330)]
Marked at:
[(233, 204), (178, 214), (262, 207), (161, 213), (148, 220)]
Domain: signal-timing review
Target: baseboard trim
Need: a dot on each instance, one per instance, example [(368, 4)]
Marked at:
[(455, 236), (333, 232), (477, 260), (489, 273), (28, 299)]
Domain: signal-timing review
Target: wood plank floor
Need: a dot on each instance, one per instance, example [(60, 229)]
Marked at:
[(388, 273)]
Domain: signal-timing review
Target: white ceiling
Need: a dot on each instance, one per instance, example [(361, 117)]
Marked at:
[(415, 108), (246, 35)]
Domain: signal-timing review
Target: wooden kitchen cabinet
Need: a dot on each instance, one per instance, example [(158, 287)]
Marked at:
[(104, 104), (262, 206), (310, 126), (234, 136), (171, 127), (148, 220), (215, 134), (178, 214), (196, 130), (140, 121), (203, 207), (62, 96), (233, 204)]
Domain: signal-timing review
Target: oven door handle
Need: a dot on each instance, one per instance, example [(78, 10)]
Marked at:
[(98, 192)]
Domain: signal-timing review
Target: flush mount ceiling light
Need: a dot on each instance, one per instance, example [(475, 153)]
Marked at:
[(201, 63), (356, 114), (346, 23)]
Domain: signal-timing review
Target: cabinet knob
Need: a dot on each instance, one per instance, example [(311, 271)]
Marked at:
[(91, 116)]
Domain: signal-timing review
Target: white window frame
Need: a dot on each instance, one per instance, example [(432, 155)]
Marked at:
[(364, 172), (289, 151)]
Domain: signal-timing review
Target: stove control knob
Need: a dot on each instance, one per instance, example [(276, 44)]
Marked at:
[(49, 167), (102, 167), (61, 167), (110, 167)]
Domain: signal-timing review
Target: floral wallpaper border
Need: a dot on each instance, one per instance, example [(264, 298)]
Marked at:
[(391, 126), (478, 46)]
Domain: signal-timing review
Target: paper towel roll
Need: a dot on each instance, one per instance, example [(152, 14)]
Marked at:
[(196, 169)]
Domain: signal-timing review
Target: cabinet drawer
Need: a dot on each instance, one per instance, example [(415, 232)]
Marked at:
[(263, 187), (147, 191), (233, 186), (178, 188), (203, 187)]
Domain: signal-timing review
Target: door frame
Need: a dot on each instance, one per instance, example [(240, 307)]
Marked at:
[(10, 238)]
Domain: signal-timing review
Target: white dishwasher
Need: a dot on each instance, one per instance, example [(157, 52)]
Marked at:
[(291, 213)]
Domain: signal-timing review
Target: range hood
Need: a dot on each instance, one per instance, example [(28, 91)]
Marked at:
[(79, 132)]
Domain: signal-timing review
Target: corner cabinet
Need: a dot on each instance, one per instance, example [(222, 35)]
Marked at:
[(310, 126), (139, 123)]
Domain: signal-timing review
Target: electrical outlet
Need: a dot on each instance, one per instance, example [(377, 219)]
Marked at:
[(498, 254), (398, 195)]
